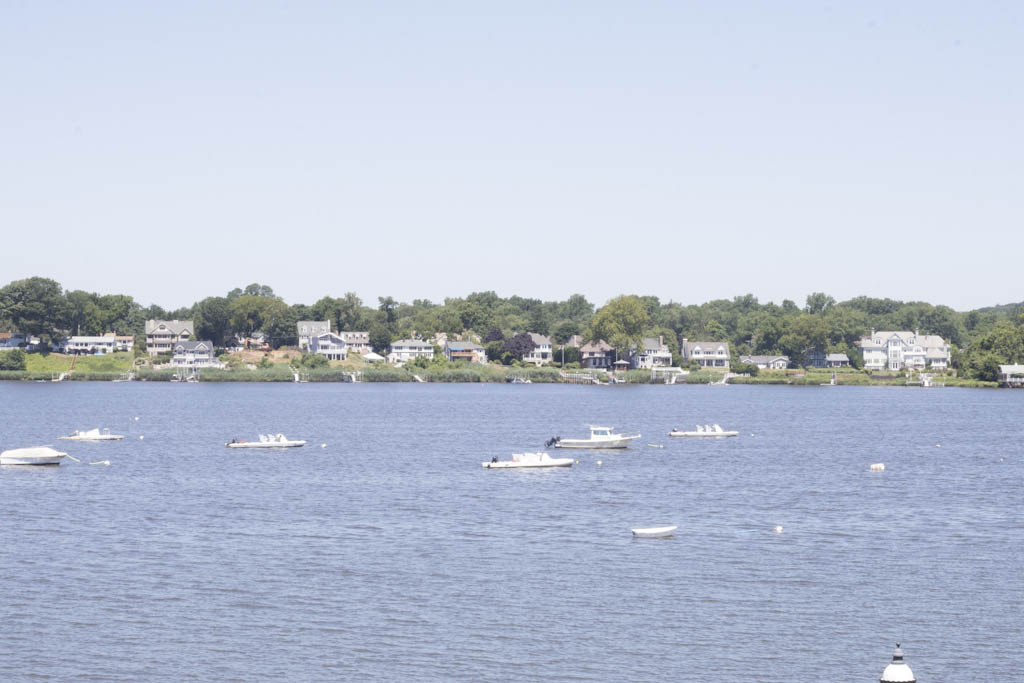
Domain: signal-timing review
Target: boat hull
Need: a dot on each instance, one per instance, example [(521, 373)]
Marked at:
[(31, 456), (261, 444), (504, 465), (704, 434), (654, 532), (622, 442), (103, 437)]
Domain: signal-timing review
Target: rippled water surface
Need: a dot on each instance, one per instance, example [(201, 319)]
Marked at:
[(392, 555)]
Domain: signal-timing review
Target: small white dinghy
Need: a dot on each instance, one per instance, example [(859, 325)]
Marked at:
[(267, 441), (38, 455), (654, 532), (91, 435), (706, 430), (528, 460)]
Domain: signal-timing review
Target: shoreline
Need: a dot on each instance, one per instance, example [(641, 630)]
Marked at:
[(483, 375)]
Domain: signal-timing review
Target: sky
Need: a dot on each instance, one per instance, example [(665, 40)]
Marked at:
[(691, 151)]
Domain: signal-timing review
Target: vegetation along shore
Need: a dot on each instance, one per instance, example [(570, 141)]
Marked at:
[(254, 335)]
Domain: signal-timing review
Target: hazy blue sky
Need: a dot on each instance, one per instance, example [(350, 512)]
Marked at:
[(422, 150)]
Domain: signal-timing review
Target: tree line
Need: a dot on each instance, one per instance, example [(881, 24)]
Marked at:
[(981, 339)]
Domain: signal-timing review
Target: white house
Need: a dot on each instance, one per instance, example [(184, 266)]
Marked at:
[(405, 350), (837, 360), (331, 346), (654, 354), (194, 354), (108, 343), (707, 354), (899, 350), (311, 328), (358, 342), (161, 335), (767, 362), (542, 350), (457, 350), (1012, 375)]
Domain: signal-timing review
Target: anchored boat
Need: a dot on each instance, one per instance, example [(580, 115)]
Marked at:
[(528, 460), (600, 437), (38, 455), (654, 532), (267, 441), (91, 435), (713, 431)]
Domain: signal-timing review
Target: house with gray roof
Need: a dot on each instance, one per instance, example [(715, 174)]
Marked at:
[(903, 349), (405, 350), (459, 350), (329, 345), (767, 362), (708, 354), (542, 350), (653, 353), (837, 360), (194, 354), (311, 328), (597, 355), (162, 335)]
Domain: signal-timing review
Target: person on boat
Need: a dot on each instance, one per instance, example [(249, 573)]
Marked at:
[(494, 459)]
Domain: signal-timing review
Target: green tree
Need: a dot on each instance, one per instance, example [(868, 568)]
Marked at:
[(35, 306), (620, 322), (12, 360)]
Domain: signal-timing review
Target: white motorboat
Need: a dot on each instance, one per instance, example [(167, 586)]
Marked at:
[(600, 437), (91, 435), (38, 455), (654, 532), (705, 430), (267, 441), (528, 460)]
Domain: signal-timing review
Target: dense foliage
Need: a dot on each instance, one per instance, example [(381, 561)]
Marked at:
[(982, 339)]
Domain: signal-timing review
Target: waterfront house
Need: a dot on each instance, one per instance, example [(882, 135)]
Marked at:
[(405, 350), (653, 353), (107, 343), (816, 358), (597, 355), (708, 354), (329, 345), (1011, 375), (468, 351), (357, 342), (194, 354), (542, 350), (162, 335), (904, 350), (837, 360), (311, 328), (767, 362)]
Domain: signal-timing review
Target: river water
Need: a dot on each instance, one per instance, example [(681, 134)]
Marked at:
[(392, 555)]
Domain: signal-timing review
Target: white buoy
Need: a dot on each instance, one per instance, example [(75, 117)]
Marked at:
[(598, 462), (136, 418), (323, 445), (141, 437), (878, 467), (778, 529), (938, 445)]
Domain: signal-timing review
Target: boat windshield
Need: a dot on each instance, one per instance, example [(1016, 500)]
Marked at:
[(600, 431)]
